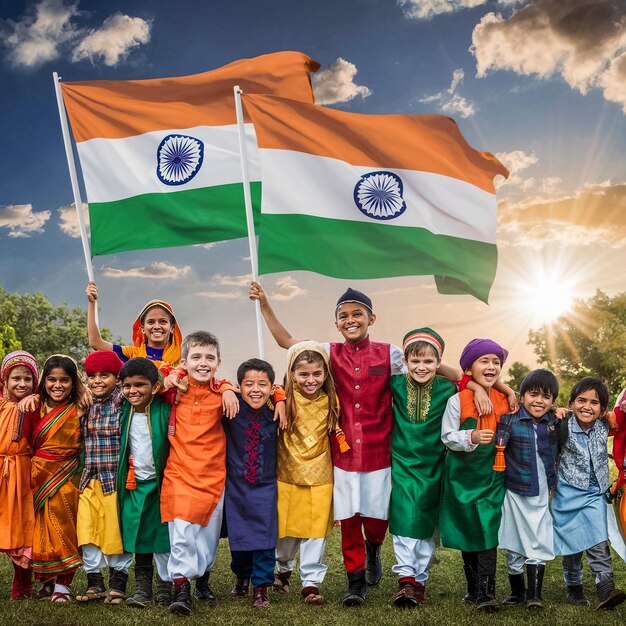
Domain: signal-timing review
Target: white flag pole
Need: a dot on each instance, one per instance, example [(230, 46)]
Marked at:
[(69, 155), (249, 216)]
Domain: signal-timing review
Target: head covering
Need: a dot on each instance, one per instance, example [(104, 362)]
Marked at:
[(19, 357), (479, 347), (303, 346), (424, 334), (103, 361), (138, 337), (352, 295)]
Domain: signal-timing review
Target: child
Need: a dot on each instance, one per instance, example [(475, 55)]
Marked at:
[(192, 494), (472, 493), (98, 527), (305, 469), (143, 454), (417, 456), (578, 505), (56, 450), (530, 438), (250, 493), (18, 375), (156, 334)]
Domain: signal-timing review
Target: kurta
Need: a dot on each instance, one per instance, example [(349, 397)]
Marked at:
[(140, 519), (17, 516), (417, 458), (305, 472), (196, 468), (56, 448), (250, 493), (472, 493)]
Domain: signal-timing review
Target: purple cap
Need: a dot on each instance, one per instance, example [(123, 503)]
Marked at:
[(479, 347)]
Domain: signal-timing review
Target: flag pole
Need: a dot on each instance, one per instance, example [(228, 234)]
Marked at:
[(71, 165), (249, 216)]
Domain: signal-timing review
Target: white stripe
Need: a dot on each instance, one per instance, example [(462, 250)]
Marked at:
[(114, 169), (305, 184)]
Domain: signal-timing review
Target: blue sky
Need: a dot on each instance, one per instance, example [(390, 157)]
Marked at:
[(521, 78)]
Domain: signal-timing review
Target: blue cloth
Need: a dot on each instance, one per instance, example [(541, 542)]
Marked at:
[(257, 565), (517, 432), (250, 491), (153, 354)]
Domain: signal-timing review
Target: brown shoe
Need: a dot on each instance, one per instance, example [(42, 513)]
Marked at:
[(45, 591), (409, 596), (240, 588), (260, 597), (281, 582), (311, 595)]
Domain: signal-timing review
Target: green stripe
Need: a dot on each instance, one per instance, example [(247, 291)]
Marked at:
[(355, 250), (179, 218)]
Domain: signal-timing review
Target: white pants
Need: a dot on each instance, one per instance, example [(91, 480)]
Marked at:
[(413, 557), (94, 560), (161, 560), (515, 562), (312, 569), (193, 547)]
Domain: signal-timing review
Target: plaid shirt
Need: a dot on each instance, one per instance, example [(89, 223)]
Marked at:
[(517, 432), (101, 437)]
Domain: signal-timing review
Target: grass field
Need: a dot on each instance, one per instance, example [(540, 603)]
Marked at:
[(443, 592)]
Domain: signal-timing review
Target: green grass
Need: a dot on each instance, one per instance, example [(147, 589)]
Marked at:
[(443, 606)]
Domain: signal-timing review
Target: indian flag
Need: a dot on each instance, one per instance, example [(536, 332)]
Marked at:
[(367, 196), (160, 157)]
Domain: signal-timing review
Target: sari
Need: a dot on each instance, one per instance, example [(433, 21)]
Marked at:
[(56, 447)]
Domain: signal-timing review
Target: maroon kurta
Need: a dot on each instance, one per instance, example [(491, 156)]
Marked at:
[(362, 373)]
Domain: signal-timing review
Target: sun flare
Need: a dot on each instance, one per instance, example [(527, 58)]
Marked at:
[(548, 294)]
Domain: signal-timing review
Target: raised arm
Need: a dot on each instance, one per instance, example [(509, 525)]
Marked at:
[(279, 332), (93, 332)]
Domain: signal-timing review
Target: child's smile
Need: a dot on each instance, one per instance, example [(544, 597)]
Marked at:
[(58, 386), (353, 320)]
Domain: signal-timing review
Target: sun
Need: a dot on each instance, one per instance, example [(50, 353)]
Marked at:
[(547, 293)]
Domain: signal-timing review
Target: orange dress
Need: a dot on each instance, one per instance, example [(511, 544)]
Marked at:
[(17, 517), (56, 447)]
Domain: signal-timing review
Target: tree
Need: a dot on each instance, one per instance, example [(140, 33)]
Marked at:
[(588, 341), (517, 371), (32, 322)]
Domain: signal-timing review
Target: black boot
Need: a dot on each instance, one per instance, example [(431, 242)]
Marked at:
[(182, 597), (576, 595), (143, 587), (534, 573), (357, 589), (117, 586), (204, 593), (163, 596), (470, 577), (608, 596), (518, 590), (373, 568), (486, 594), (95, 588)]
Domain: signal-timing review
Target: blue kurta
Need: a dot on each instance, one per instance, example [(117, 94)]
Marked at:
[(250, 492)]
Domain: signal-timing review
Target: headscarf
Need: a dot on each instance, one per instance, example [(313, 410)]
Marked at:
[(303, 346), (479, 347), (171, 353), (19, 357)]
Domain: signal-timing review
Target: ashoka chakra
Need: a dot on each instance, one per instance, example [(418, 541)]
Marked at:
[(379, 195), (179, 157)]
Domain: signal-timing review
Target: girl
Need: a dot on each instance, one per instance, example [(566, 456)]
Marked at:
[(56, 448), (18, 374), (156, 335), (305, 470)]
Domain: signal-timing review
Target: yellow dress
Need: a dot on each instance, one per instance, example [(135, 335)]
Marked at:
[(305, 472)]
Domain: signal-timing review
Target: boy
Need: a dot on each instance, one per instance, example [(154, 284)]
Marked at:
[(530, 438), (250, 493), (18, 376), (417, 455), (578, 505), (192, 494), (97, 523), (472, 493), (143, 454)]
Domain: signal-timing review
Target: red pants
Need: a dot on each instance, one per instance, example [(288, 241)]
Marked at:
[(353, 542)]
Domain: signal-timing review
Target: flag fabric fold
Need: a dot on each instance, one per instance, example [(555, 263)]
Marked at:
[(367, 196), (160, 157)]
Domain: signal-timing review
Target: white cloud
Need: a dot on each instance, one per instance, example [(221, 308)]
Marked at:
[(336, 83), (287, 288), (156, 270), (580, 40), (68, 220), (427, 9), (223, 295), (451, 102), (233, 281), (40, 34), (114, 40), (21, 220), (516, 161)]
